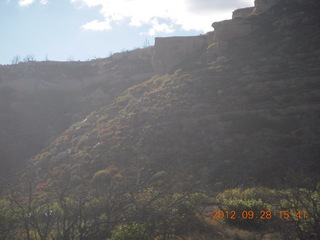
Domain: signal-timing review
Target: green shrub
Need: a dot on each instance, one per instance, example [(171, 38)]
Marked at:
[(80, 124), (212, 45), (9, 220), (124, 99), (102, 118), (252, 208), (82, 140), (133, 231), (303, 211), (295, 212)]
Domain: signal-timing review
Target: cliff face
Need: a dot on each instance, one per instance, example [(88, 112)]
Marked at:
[(40, 100), (246, 113), (231, 29), (242, 22), (240, 111), (170, 52), (265, 53), (174, 51), (242, 12), (261, 6)]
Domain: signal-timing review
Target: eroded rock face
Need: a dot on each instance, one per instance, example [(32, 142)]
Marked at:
[(231, 29), (242, 12), (263, 5), (238, 26), (171, 51)]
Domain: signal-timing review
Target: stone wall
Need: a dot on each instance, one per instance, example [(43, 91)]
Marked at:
[(171, 51)]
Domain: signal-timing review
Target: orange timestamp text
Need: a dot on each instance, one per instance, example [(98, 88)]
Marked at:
[(286, 214)]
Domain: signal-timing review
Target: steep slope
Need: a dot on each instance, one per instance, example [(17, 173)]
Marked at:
[(247, 114), (242, 111), (40, 100)]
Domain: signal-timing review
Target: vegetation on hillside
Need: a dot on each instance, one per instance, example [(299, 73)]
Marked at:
[(226, 147)]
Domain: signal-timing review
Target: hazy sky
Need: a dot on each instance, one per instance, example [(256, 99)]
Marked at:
[(85, 29)]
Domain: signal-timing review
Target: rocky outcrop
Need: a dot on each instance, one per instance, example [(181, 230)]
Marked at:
[(231, 29), (170, 52), (238, 26), (242, 12), (263, 5)]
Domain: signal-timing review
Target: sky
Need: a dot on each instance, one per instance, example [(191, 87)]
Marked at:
[(64, 30)]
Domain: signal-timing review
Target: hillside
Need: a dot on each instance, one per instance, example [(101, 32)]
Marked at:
[(40, 100), (156, 154), (258, 97)]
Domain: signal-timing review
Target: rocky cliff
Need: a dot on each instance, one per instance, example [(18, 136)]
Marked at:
[(170, 52), (236, 109), (33, 93), (252, 105)]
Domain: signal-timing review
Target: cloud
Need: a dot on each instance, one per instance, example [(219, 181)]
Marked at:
[(213, 5), (162, 16), (25, 3), (159, 27), (96, 25)]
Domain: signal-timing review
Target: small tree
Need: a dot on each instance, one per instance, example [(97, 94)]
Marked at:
[(9, 220), (15, 60), (146, 43), (70, 58), (29, 58)]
